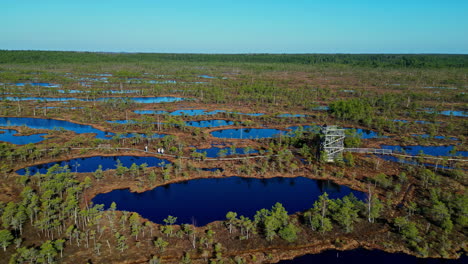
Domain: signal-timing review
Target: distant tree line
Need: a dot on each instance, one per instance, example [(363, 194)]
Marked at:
[(361, 60)]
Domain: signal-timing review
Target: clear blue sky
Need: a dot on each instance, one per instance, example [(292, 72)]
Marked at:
[(238, 26)]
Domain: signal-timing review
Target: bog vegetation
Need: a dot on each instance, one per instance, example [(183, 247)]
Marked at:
[(418, 205)]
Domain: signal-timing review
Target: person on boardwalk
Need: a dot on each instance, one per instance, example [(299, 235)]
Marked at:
[(162, 151), (146, 148)]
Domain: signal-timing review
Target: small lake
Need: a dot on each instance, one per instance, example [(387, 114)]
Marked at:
[(427, 150), (123, 122), (54, 124), (206, 200), (206, 76), (248, 133), (415, 121), (321, 108), (142, 100), (91, 164), (182, 112), (291, 115), (192, 112), (366, 134), (215, 152), (449, 113), (161, 82), (59, 107), (40, 84), (10, 136), (209, 123), (362, 133), (364, 256), (436, 137), (41, 123)]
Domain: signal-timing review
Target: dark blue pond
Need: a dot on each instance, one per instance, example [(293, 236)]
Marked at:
[(248, 133), (149, 100), (427, 150), (41, 123), (364, 256), (411, 162), (436, 137), (49, 99), (91, 164), (121, 91), (143, 100), (314, 128), (122, 122), (161, 82), (59, 107), (41, 84), (454, 113), (209, 123), (192, 112), (321, 108), (207, 200), (248, 114), (131, 135), (70, 91), (291, 115), (182, 112), (362, 133), (10, 136), (206, 76), (366, 134), (416, 121), (450, 113), (214, 152)]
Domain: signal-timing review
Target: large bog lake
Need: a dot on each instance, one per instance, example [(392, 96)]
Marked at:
[(203, 201), (364, 256), (91, 164)]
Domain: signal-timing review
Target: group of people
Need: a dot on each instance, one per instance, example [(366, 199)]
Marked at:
[(160, 150)]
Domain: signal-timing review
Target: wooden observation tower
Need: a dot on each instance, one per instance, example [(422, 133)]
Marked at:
[(333, 142)]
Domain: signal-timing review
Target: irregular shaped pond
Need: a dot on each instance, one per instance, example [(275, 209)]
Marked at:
[(362, 133), (59, 107), (10, 136), (41, 123), (209, 123), (411, 161), (363, 256), (291, 115), (49, 99), (182, 112), (91, 164), (321, 108), (454, 113), (366, 134), (143, 100), (41, 84), (427, 150), (449, 113), (436, 137), (206, 76), (248, 133), (206, 200), (415, 121), (215, 152), (161, 82), (192, 112)]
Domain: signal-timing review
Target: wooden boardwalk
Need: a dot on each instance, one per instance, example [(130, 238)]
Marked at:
[(370, 151)]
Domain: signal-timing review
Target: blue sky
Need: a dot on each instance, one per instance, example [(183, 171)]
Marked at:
[(239, 26)]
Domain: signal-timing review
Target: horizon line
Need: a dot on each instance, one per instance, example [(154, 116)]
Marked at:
[(243, 53)]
